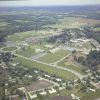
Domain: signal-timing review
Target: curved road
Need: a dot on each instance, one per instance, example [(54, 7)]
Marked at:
[(53, 65)]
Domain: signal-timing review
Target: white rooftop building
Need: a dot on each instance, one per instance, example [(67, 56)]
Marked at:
[(43, 93), (54, 50), (38, 50), (58, 80), (32, 96), (52, 91)]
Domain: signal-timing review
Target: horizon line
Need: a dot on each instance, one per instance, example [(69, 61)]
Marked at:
[(48, 5)]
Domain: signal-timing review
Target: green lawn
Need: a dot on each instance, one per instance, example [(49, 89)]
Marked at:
[(51, 70), (53, 57), (27, 52)]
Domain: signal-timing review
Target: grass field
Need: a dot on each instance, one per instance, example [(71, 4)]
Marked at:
[(27, 52), (53, 57), (50, 70)]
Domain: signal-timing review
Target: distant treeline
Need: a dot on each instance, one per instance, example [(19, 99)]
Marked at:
[(21, 19), (91, 34), (92, 60)]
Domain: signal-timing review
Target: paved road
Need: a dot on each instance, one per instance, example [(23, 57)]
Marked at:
[(40, 55), (52, 65), (61, 59)]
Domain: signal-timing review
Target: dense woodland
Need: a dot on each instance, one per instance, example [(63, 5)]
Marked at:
[(92, 60), (91, 34)]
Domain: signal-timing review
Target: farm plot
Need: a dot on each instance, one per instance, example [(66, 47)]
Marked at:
[(53, 57), (75, 22)]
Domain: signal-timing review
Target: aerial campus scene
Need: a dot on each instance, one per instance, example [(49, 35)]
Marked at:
[(50, 50)]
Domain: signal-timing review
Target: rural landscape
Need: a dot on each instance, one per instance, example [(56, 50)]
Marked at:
[(50, 53)]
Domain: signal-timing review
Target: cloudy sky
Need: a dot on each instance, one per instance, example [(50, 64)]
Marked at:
[(47, 2)]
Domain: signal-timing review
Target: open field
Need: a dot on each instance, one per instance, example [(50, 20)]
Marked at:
[(75, 22), (17, 37), (27, 52), (40, 84), (53, 57), (65, 63), (21, 36), (49, 69), (83, 20)]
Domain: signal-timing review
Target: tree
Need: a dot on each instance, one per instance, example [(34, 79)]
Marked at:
[(2, 93), (39, 96)]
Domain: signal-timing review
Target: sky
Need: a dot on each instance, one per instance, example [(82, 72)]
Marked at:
[(47, 2)]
